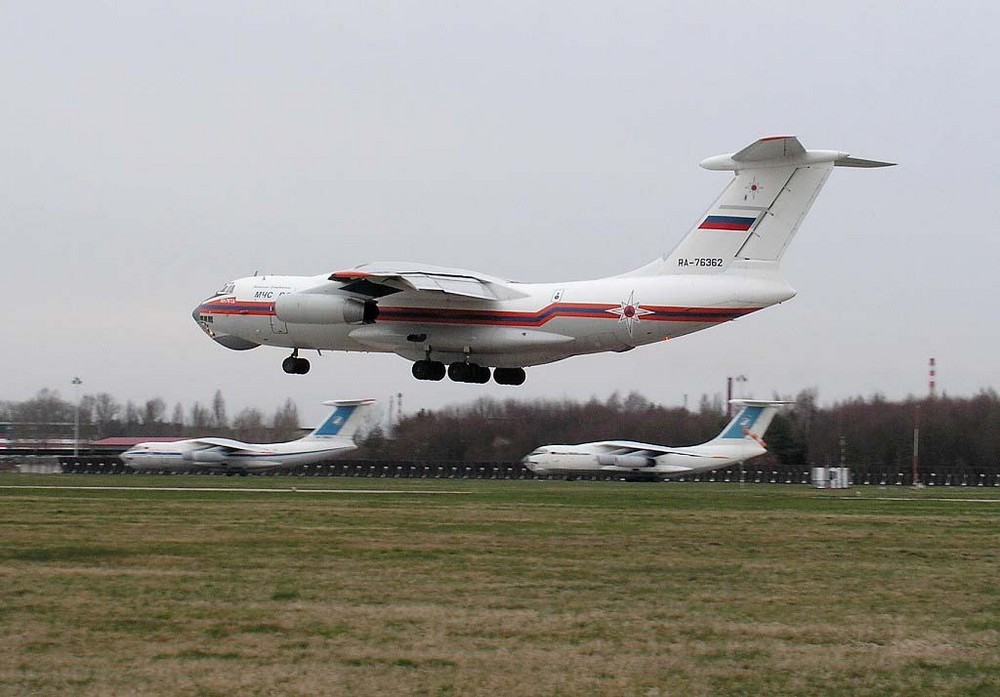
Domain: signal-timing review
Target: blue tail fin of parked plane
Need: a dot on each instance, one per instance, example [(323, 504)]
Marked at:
[(752, 419), (344, 421)]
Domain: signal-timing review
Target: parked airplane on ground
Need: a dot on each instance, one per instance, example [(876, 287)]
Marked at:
[(740, 440), (726, 267), (334, 435)]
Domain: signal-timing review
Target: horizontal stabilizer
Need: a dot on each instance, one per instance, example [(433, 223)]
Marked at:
[(771, 148), (784, 151), (858, 162)]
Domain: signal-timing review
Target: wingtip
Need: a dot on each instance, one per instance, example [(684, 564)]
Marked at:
[(848, 161)]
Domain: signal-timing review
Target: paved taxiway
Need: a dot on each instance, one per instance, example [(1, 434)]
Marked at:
[(288, 490)]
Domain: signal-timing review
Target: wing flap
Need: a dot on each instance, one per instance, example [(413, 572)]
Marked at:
[(376, 280)]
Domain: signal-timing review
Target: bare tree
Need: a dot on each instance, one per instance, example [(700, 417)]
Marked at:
[(46, 407), (286, 421), (249, 425), (106, 411), (177, 420), (87, 410), (219, 410), (132, 418), (153, 412), (201, 418)]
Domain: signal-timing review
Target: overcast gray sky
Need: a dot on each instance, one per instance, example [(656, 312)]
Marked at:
[(151, 151)]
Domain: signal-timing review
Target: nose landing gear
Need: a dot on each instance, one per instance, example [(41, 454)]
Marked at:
[(293, 365)]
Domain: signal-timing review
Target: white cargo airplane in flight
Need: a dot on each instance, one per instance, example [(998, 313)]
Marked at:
[(741, 439), (334, 435), (726, 267)]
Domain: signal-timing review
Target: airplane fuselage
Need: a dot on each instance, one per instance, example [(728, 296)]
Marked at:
[(185, 455), (550, 322), (584, 459)]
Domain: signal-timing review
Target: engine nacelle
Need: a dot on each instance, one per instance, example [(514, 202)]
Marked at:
[(625, 461), (317, 308), (204, 457)]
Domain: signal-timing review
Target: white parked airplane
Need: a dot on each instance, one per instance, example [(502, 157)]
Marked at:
[(726, 267), (334, 435), (740, 440)]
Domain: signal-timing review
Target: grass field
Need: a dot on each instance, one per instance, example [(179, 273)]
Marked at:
[(499, 588)]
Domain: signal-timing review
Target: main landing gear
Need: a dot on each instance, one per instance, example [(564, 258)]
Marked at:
[(428, 370), (508, 376), (293, 365), (467, 372)]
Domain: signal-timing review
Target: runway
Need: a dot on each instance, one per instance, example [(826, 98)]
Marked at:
[(286, 490)]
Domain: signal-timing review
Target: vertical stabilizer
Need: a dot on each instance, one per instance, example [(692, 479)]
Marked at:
[(751, 421), (344, 421), (759, 211)]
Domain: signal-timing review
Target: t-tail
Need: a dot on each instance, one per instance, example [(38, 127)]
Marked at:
[(753, 221), (347, 417), (751, 421)]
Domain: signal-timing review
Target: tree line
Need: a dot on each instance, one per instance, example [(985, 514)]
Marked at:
[(47, 416), (873, 431)]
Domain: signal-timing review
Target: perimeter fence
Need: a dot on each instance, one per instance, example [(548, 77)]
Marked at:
[(406, 469)]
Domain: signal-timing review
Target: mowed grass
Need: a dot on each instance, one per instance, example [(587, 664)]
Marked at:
[(540, 588)]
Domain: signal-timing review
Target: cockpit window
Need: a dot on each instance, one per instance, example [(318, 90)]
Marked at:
[(226, 289)]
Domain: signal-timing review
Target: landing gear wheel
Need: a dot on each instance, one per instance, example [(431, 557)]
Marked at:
[(428, 370), (482, 375), (293, 365), (508, 376), (469, 372)]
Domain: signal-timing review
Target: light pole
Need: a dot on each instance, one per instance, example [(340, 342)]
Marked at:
[(76, 420), (741, 388)]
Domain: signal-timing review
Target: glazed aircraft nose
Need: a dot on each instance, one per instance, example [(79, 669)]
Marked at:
[(205, 318)]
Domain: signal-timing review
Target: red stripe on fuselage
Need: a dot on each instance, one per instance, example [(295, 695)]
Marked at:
[(553, 311)]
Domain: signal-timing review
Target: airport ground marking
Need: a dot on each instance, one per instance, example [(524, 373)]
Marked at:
[(903, 498)]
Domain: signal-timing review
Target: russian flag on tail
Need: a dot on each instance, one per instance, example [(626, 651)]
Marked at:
[(727, 222)]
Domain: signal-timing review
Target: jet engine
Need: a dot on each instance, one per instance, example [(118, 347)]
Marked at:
[(204, 457), (625, 461), (315, 308)]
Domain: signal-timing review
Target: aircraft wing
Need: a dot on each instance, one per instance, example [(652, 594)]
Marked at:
[(380, 279), (625, 447), (228, 445)]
